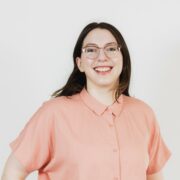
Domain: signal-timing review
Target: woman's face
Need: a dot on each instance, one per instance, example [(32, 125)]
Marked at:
[(102, 71)]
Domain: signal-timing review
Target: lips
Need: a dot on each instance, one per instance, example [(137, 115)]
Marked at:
[(103, 69)]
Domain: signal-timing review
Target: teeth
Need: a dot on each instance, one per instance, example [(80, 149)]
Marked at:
[(102, 69)]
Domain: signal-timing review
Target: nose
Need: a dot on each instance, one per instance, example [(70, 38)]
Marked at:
[(102, 55)]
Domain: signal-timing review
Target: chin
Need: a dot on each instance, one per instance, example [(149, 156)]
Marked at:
[(105, 84)]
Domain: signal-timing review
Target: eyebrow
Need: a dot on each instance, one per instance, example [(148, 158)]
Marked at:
[(93, 44)]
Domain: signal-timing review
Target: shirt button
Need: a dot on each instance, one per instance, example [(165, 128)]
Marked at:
[(111, 125), (115, 178), (115, 150)]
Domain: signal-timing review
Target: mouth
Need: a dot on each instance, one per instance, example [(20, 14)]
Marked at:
[(103, 70)]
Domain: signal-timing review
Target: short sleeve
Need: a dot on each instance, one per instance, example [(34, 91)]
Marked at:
[(158, 150), (32, 148)]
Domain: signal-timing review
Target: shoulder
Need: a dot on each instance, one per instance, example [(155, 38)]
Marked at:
[(50, 110), (139, 108), (137, 104), (62, 103)]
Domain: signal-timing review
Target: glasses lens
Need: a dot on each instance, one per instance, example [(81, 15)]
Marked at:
[(91, 52), (112, 50)]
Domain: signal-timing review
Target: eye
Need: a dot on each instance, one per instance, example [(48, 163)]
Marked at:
[(111, 48), (91, 49)]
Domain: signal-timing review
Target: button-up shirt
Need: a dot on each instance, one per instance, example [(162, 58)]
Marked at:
[(79, 138)]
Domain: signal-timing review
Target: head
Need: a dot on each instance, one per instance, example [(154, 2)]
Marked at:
[(100, 34)]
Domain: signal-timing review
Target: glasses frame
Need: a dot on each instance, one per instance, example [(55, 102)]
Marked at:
[(99, 48)]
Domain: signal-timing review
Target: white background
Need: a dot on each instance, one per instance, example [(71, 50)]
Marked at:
[(37, 38)]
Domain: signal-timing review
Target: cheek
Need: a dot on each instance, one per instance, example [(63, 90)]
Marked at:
[(119, 63), (118, 68), (87, 64)]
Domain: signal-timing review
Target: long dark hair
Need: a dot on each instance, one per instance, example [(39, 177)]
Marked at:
[(77, 79)]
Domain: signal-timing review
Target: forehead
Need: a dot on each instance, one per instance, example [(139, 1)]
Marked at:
[(99, 37)]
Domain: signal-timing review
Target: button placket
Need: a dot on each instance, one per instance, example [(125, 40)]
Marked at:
[(117, 155), (115, 144)]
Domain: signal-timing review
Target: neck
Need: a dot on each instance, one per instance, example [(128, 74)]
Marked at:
[(104, 95)]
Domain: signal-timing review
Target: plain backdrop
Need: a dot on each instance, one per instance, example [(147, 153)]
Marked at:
[(37, 38)]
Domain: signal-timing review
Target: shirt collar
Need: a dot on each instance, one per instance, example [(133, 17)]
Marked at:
[(99, 108)]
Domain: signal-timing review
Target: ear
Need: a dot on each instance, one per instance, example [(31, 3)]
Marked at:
[(79, 64)]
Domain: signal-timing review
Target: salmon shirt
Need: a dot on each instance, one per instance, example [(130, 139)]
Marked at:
[(79, 138)]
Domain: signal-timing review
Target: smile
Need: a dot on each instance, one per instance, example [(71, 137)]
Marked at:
[(103, 70)]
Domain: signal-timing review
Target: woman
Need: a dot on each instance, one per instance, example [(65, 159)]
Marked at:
[(92, 129)]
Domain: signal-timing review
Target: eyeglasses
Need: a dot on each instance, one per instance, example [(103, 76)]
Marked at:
[(92, 52)]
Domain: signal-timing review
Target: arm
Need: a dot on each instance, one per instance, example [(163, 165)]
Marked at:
[(156, 176), (13, 170)]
